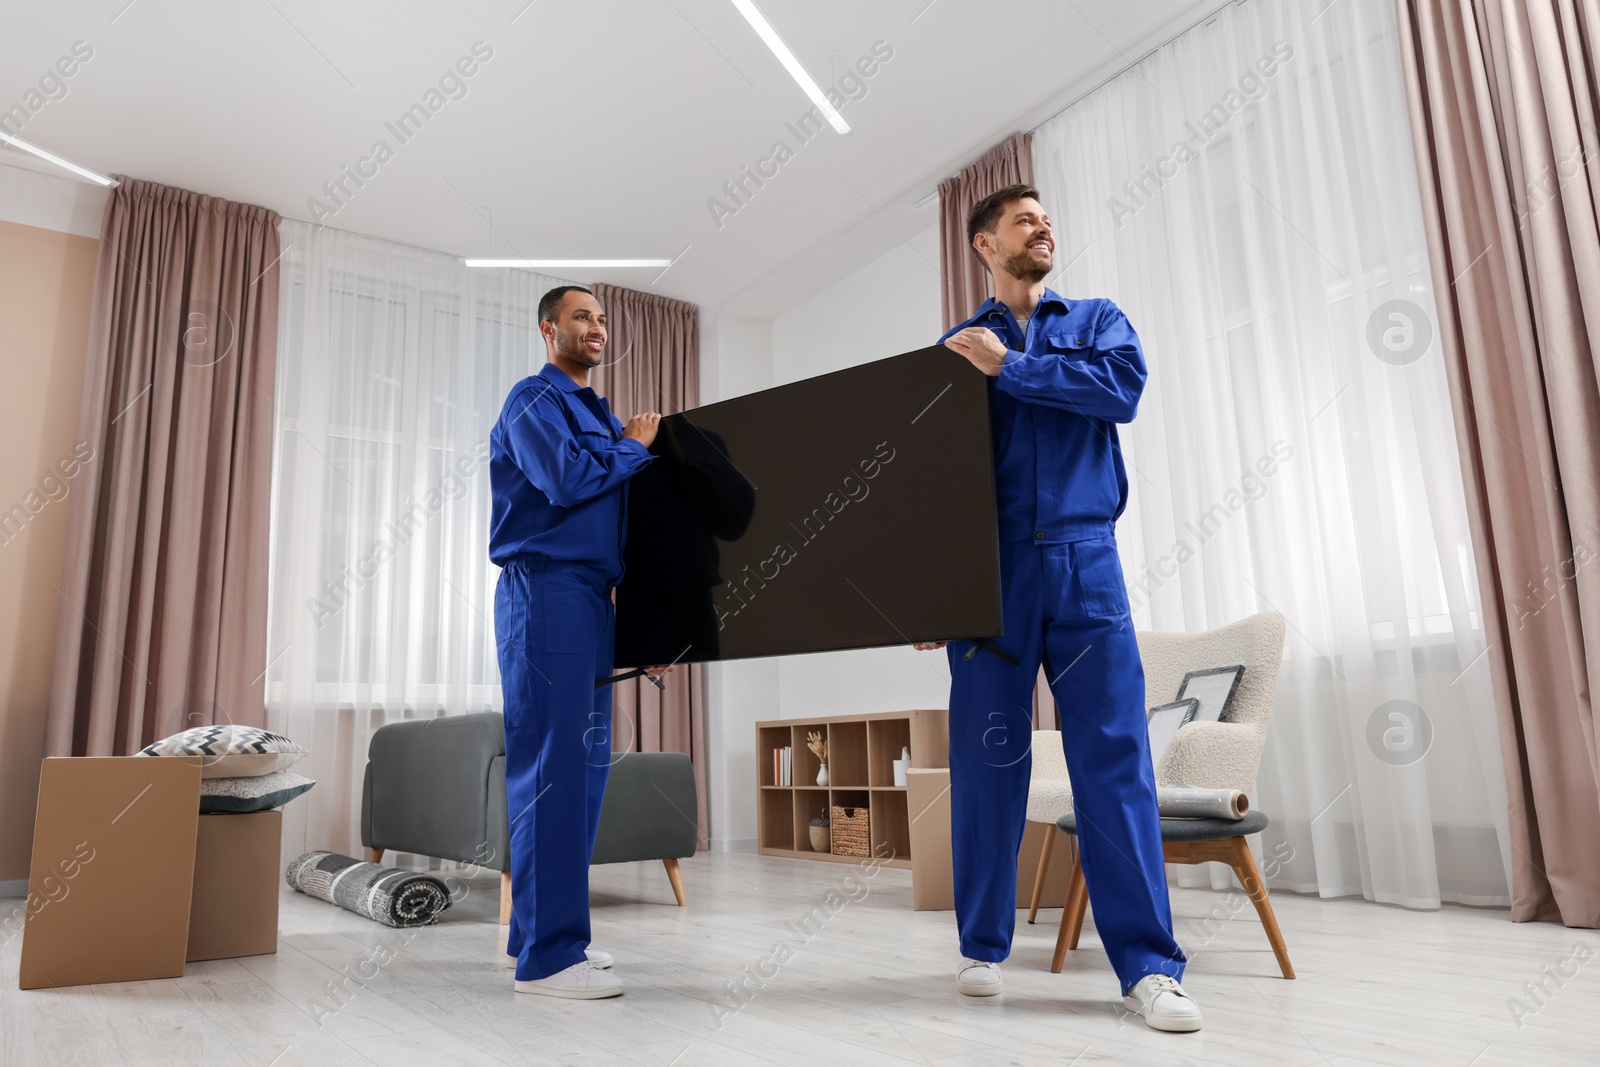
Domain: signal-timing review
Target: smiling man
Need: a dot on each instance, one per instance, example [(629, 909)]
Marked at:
[(1062, 375), (559, 463)]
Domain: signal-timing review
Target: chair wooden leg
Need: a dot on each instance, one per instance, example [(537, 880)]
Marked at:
[(1244, 865), (1071, 915), (374, 855), (1044, 869), (1077, 899), (676, 878), (505, 897)]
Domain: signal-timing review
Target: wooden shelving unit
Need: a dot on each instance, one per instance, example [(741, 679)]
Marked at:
[(861, 754)]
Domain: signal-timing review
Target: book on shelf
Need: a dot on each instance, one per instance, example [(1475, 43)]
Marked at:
[(783, 765)]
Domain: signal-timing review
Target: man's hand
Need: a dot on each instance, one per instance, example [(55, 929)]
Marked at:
[(642, 428), (656, 672), (981, 348), (928, 646)]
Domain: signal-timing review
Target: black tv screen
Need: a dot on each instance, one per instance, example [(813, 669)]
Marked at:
[(851, 510)]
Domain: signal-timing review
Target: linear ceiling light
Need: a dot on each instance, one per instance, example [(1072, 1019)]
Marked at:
[(567, 264), (64, 164), (764, 29)]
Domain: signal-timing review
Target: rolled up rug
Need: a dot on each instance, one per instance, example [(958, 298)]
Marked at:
[(1173, 802), (386, 894)]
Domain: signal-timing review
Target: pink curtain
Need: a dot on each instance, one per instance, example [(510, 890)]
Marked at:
[(966, 283), (1503, 98), (165, 571), (654, 365)]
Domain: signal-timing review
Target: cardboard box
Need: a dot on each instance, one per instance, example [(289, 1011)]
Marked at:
[(129, 881), (112, 872), (234, 908), (932, 885)]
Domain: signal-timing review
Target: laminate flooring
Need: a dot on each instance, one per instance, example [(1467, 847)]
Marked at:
[(799, 963)]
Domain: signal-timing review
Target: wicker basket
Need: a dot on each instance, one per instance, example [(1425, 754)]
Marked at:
[(851, 834)]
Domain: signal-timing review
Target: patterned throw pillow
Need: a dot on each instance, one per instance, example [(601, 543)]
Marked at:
[(231, 751), (260, 792)]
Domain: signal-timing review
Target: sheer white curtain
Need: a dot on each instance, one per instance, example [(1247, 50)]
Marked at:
[(1295, 449), (392, 366)]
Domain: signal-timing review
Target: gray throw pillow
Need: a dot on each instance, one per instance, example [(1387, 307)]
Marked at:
[(260, 792)]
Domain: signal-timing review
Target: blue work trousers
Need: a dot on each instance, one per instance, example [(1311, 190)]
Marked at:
[(554, 625), (1065, 606)]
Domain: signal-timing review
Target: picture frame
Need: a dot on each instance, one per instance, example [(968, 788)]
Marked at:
[(1214, 688), (1164, 721)]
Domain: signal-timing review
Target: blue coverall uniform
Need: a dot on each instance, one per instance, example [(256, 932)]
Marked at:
[(558, 471), (1059, 487)]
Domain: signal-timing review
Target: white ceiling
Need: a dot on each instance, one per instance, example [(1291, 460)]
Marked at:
[(599, 128)]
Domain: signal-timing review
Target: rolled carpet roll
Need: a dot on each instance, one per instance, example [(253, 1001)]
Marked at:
[(386, 894), (1174, 802)]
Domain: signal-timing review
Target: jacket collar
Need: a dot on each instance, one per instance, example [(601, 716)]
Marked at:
[(993, 306), (559, 378)]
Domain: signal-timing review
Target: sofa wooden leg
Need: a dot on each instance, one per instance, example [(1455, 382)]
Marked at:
[(676, 878), (374, 855), (1044, 869), (505, 897)]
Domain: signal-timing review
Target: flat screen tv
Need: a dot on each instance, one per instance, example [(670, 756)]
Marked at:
[(851, 510)]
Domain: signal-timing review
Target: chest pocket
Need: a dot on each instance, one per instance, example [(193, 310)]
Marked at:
[(590, 433), (1074, 344), (593, 440)]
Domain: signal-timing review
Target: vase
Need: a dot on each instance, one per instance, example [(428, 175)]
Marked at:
[(822, 774), (819, 839)]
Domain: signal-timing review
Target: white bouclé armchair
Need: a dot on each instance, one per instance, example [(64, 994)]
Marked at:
[(1205, 755)]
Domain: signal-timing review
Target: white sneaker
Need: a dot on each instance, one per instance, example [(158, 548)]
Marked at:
[(1163, 1003), (600, 959), (581, 981), (978, 979)]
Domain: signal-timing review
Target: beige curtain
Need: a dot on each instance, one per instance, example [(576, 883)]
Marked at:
[(165, 575), (1503, 98), (654, 365), (966, 283)]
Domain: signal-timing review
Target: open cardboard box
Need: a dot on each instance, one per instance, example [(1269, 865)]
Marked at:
[(129, 881), (932, 882)]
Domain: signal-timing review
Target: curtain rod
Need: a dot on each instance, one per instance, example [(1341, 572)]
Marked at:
[(387, 240), (1201, 21)]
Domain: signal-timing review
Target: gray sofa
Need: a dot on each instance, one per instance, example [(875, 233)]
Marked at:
[(437, 787)]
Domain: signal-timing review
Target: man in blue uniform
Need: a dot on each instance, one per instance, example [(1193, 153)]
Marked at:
[(1062, 374), (559, 463)]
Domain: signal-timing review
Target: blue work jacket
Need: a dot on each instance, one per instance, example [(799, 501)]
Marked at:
[(1054, 410), (558, 474)]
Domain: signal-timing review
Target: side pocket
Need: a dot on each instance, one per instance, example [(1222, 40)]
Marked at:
[(1098, 574), (571, 618)]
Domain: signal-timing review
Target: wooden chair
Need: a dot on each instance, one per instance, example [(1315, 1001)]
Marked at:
[(1206, 755), (1049, 798), (1185, 841)]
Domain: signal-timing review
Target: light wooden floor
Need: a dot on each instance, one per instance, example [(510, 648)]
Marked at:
[(875, 986)]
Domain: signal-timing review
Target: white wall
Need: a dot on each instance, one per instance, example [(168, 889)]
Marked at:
[(882, 309), (735, 359), (887, 307), (48, 200)]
